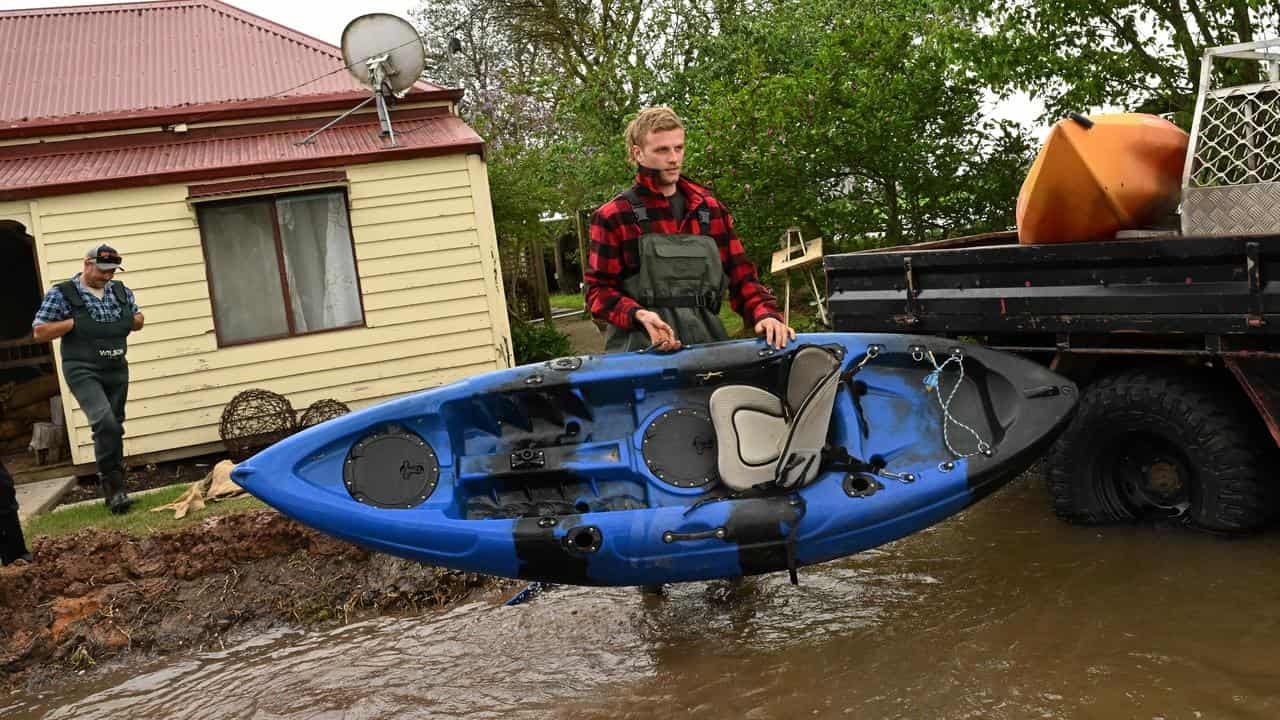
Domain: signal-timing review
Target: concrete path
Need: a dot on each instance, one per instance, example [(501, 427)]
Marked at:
[(37, 497), (583, 334)]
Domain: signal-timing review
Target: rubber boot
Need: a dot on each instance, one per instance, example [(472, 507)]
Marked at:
[(12, 545), (105, 488), (112, 484)]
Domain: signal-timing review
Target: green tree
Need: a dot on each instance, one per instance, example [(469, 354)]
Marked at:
[(857, 120), (505, 99), (854, 119), (1140, 55)]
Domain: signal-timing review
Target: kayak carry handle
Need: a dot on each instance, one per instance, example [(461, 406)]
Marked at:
[(672, 536), (1080, 120)]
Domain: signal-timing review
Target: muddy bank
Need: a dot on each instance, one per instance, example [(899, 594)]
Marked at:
[(96, 595)]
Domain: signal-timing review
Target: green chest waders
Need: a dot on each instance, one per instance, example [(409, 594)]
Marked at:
[(680, 278), (93, 362)]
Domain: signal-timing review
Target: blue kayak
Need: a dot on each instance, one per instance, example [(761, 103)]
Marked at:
[(716, 461)]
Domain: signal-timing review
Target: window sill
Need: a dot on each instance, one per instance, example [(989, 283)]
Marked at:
[(273, 338)]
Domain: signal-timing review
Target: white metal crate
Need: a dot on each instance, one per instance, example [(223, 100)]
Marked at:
[(1231, 179)]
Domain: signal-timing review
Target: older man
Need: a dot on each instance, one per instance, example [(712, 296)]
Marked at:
[(93, 314)]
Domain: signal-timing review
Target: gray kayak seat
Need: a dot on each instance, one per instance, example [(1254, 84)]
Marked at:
[(762, 438)]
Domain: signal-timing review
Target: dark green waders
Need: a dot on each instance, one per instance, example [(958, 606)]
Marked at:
[(682, 279), (93, 362)]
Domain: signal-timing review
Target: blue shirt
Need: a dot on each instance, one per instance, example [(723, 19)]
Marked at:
[(54, 307)]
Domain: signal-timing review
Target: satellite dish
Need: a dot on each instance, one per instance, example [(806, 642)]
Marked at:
[(386, 54), (383, 52)]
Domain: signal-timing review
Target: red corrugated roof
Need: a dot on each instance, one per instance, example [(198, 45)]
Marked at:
[(159, 158), (61, 65)]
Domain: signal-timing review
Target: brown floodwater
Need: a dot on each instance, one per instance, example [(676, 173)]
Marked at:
[(1000, 612)]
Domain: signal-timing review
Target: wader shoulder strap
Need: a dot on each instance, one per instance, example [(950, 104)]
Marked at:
[(638, 209), (122, 297), (642, 213), (71, 294), (704, 220)]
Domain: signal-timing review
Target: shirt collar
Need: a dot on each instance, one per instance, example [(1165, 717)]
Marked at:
[(647, 184), (76, 279)]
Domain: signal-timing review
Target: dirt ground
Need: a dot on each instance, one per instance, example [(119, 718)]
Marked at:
[(96, 595)]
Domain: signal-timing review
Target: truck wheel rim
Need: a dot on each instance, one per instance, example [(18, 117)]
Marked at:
[(1149, 476)]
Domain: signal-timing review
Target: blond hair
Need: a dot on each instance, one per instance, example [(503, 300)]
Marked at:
[(654, 119)]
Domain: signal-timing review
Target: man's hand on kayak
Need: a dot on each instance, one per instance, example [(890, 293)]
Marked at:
[(775, 332), (660, 333)]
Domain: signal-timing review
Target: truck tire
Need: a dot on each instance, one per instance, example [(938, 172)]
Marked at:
[(1145, 445)]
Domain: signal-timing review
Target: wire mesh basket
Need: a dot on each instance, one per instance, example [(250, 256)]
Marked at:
[(320, 411), (255, 419)]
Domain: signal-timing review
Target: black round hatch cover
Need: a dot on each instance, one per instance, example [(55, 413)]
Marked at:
[(680, 448), (391, 468)]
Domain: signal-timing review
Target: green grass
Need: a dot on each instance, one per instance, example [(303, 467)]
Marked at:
[(732, 320), (139, 520), (571, 301)]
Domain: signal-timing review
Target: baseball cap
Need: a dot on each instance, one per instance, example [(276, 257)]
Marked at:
[(105, 257)]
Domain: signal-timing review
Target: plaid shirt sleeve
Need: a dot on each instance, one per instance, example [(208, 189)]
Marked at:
[(605, 266), (52, 308)]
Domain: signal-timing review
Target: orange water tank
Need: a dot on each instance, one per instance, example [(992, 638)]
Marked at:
[(1101, 174)]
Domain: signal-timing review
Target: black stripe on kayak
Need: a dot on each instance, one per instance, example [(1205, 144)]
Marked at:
[(544, 556), (990, 371), (757, 526)]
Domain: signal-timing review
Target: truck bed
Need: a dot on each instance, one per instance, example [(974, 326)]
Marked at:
[(1170, 285)]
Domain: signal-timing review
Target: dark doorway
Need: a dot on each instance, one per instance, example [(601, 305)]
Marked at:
[(21, 358)]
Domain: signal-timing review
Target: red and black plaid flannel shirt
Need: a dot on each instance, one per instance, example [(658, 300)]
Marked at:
[(615, 250)]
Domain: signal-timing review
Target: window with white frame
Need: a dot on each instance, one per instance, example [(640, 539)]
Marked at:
[(280, 265)]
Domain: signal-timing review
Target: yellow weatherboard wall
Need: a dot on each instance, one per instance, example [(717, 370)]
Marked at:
[(19, 211), (427, 257)]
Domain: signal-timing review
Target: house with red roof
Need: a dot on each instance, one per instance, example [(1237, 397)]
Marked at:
[(348, 267)]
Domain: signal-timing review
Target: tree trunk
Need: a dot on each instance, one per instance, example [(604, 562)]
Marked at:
[(562, 280), (539, 278), (893, 222)]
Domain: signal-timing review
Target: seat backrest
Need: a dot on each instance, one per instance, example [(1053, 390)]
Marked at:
[(809, 367), (801, 457)]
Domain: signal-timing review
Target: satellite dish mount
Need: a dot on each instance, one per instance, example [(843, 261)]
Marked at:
[(386, 54), (380, 72)]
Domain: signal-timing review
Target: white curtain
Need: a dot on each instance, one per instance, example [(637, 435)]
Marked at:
[(243, 271), (318, 260)]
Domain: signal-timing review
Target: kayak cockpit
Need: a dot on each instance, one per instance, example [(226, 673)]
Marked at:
[(651, 440)]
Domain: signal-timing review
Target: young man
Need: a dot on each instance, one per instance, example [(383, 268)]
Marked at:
[(664, 251), (93, 314)]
